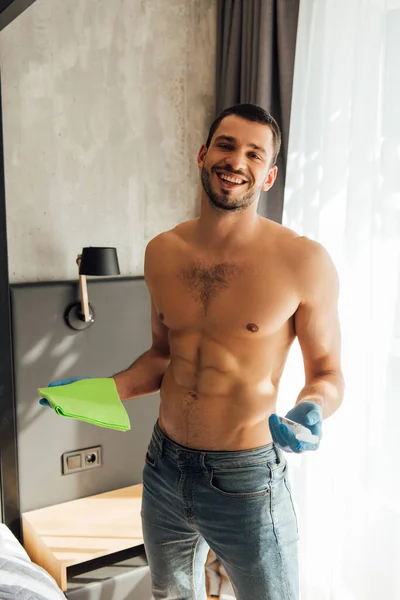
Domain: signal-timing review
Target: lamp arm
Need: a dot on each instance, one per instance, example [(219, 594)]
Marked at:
[(84, 297), (83, 292)]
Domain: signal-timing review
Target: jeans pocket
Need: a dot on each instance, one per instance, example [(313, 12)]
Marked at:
[(241, 482), (151, 455), (151, 462)]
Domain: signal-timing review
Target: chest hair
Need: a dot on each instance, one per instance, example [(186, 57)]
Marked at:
[(206, 282)]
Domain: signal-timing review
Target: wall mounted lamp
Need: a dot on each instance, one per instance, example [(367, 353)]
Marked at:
[(94, 261)]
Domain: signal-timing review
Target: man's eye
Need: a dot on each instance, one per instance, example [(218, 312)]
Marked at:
[(227, 146), (254, 155)]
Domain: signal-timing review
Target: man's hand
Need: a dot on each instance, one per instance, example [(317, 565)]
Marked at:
[(306, 413), (44, 402)]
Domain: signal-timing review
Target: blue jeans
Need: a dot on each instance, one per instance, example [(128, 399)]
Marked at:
[(237, 503)]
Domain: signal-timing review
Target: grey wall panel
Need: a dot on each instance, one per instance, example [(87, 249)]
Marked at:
[(45, 349)]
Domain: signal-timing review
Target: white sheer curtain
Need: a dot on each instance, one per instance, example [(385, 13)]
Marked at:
[(343, 189)]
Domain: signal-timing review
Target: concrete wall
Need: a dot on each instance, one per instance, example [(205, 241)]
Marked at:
[(105, 106)]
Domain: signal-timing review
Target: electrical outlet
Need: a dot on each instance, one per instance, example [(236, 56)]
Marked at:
[(81, 460)]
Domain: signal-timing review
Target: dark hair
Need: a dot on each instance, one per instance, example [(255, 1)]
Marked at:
[(251, 112)]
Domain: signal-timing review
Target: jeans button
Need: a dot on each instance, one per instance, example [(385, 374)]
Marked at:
[(182, 456)]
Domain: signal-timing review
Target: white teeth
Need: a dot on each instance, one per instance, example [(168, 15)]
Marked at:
[(231, 179)]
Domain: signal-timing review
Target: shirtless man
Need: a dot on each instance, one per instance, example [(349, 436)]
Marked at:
[(230, 292)]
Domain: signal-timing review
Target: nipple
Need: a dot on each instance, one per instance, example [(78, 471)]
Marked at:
[(161, 316), (252, 327)]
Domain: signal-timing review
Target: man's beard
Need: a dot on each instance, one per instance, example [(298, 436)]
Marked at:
[(225, 202)]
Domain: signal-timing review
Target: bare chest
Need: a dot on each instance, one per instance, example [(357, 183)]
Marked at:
[(225, 298)]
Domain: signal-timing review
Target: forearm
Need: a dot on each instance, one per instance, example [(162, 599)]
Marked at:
[(144, 377), (325, 389)]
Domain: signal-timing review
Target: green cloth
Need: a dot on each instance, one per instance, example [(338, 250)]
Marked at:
[(92, 400)]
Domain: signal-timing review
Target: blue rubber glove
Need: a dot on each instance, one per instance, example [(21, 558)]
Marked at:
[(308, 414), (44, 402)]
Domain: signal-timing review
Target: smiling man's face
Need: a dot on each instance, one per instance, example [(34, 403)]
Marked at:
[(236, 166)]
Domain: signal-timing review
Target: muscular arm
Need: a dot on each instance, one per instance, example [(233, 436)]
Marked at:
[(145, 375), (318, 330)]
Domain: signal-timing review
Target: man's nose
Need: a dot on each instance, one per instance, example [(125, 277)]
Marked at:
[(237, 161)]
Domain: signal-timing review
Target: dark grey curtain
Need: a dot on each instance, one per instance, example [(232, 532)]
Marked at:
[(256, 41)]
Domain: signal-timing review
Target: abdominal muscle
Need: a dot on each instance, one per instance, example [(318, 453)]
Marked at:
[(207, 409)]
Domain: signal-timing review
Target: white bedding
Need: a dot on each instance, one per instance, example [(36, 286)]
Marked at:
[(20, 578)]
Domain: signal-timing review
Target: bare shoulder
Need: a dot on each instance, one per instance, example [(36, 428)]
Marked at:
[(309, 262), (310, 255), (297, 249), (165, 245), (171, 237), (313, 267), (279, 235)]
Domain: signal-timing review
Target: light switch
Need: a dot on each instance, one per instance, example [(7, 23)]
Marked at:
[(74, 461), (80, 460)]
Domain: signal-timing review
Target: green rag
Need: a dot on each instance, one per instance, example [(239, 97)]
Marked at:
[(92, 400)]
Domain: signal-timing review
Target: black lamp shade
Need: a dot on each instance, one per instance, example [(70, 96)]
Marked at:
[(99, 261)]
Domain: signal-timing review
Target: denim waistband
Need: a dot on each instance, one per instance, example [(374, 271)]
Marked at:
[(182, 454)]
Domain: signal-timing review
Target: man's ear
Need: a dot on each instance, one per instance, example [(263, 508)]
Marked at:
[(270, 180), (201, 156)]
